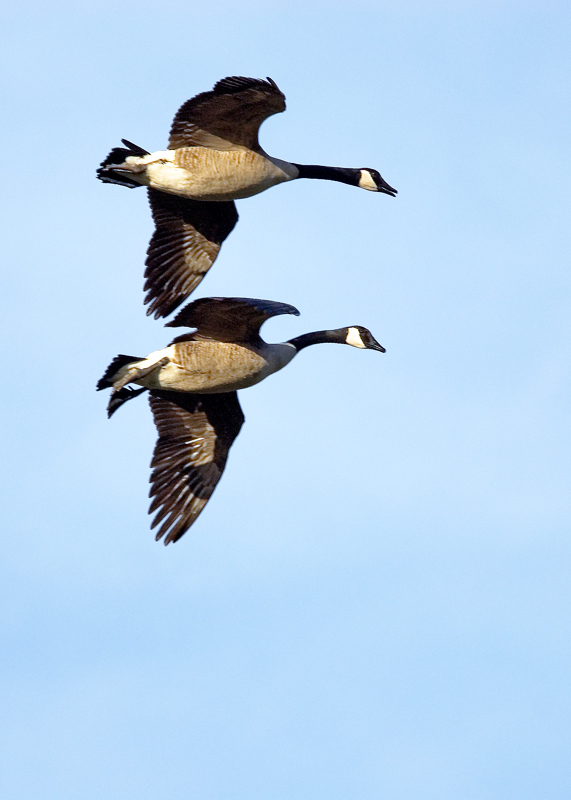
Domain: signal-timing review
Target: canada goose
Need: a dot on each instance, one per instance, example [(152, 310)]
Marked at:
[(193, 384), (213, 158)]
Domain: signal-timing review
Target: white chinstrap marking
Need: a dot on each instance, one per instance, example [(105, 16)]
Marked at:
[(354, 338), (367, 182)]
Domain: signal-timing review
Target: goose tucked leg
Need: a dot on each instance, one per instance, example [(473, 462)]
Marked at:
[(134, 374), (121, 392)]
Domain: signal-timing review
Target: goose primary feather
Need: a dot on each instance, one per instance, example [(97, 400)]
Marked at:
[(213, 158), (193, 387)]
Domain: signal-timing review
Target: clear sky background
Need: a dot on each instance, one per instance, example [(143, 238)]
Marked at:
[(375, 604)]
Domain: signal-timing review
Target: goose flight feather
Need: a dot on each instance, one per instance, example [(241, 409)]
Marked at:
[(186, 241), (195, 435)]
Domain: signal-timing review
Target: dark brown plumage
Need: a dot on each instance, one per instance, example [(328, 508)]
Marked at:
[(185, 244), (195, 435), (229, 114), (229, 319)]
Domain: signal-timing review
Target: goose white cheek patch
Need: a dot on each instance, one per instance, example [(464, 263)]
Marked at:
[(354, 338), (366, 182)]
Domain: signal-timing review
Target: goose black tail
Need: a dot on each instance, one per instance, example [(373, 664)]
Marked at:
[(118, 398), (118, 155), (106, 382)]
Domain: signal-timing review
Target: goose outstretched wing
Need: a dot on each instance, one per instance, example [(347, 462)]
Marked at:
[(195, 435), (229, 319), (185, 244), (230, 114)]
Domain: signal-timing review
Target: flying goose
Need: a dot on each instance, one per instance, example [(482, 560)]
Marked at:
[(213, 158), (193, 384)]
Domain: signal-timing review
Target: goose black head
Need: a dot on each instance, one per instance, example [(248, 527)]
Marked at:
[(358, 336), (372, 180)]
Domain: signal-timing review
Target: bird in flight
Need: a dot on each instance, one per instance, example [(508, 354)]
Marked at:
[(213, 158), (193, 386)]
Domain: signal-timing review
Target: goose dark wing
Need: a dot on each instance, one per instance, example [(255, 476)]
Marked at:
[(185, 244), (195, 435), (229, 319), (230, 114)]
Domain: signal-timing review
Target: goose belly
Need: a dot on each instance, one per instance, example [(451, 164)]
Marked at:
[(201, 173), (211, 367)]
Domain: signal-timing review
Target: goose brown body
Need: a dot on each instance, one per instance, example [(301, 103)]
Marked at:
[(200, 173), (208, 367)]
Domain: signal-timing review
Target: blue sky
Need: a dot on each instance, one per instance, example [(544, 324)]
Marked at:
[(375, 604)]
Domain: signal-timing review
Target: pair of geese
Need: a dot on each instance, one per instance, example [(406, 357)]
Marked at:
[(213, 158)]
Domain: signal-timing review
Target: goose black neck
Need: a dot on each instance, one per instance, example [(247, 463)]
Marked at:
[(339, 174), (319, 337)]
